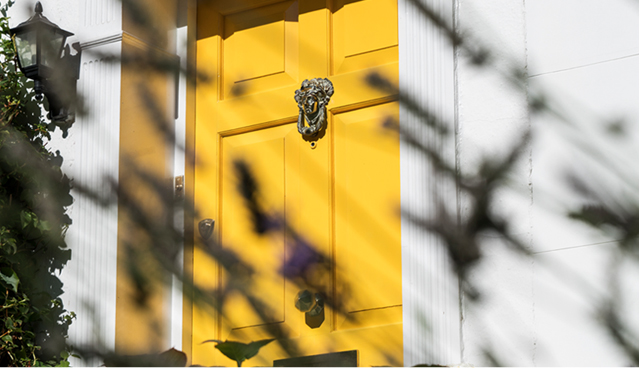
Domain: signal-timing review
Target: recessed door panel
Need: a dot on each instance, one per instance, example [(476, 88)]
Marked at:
[(367, 230), (260, 49), (364, 34), (264, 152)]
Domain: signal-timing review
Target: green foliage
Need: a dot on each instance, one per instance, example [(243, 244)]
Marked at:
[(239, 351), (33, 196)]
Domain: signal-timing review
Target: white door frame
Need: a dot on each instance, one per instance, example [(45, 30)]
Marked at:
[(430, 290)]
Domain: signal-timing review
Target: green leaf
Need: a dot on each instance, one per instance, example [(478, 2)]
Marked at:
[(25, 218), (44, 226), (239, 351), (63, 363), (12, 279), (11, 243), (174, 358)]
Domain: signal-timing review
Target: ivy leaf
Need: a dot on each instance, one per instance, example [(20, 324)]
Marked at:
[(12, 280), (174, 358), (44, 226), (239, 351), (8, 323), (25, 218), (12, 245)]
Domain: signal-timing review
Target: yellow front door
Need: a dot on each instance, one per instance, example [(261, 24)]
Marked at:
[(333, 227)]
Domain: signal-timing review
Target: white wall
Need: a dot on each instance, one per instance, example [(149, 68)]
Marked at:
[(583, 54), (492, 118)]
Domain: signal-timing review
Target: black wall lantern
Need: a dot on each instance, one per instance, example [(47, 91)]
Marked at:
[(39, 45)]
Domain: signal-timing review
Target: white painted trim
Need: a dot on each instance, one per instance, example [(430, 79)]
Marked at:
[(177, 296), (102, 41), (431, 310), (92, 160)]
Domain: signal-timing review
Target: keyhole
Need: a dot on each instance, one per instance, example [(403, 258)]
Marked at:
[(313, 145)]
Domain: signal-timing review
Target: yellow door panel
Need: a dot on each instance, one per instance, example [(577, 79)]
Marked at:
[(367, 196), (364, 34), (314, 39), (264, 150), (338, 193), (260, 49)]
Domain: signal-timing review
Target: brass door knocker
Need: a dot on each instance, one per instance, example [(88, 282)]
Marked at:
[(312, 98)]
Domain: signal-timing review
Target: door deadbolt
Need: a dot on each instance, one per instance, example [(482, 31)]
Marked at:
[(205, 227)]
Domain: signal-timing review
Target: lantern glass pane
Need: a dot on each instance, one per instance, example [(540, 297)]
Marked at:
[(26, 47), (51, 47)]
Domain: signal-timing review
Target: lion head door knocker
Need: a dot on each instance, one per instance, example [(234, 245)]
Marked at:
[(312, 98)]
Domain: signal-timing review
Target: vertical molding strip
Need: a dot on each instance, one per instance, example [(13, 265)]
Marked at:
[(431, 310), (92, 161), (176, 294), (99, 12)]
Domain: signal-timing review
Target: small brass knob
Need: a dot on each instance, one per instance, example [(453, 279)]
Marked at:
[(307, 302)]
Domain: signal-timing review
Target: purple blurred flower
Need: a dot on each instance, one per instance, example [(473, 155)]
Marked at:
[(302, 258)]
